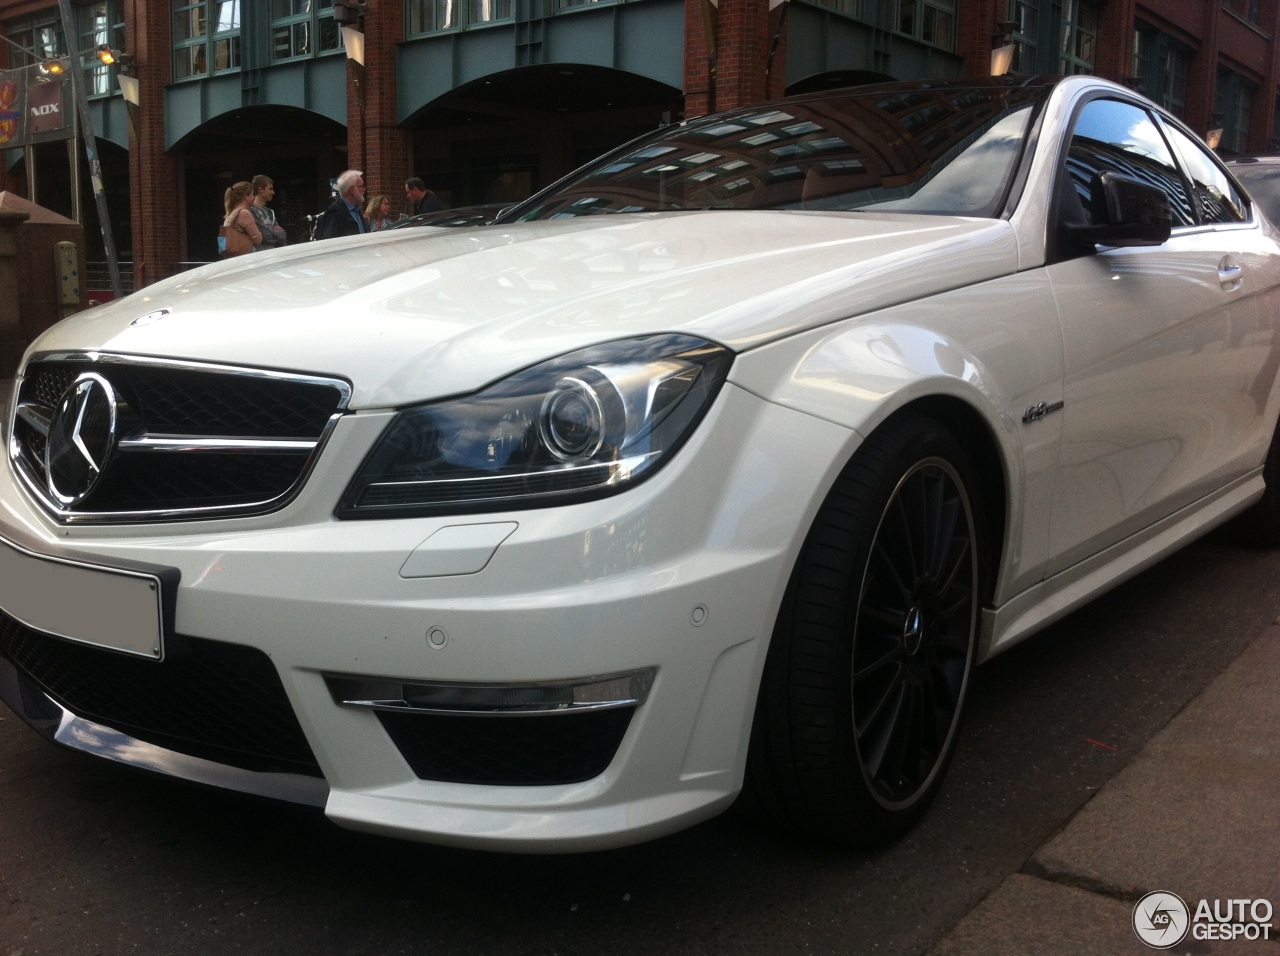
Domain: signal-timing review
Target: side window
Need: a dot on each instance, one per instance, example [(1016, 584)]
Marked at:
[(1119, 137), (1217, 200)]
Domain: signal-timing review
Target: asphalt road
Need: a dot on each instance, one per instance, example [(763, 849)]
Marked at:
[(97, 859)]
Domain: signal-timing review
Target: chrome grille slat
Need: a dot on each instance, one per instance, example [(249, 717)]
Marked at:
[(195, 445), (194, 440), (37, 416)]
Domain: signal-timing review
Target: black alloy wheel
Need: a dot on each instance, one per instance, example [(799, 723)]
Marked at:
[(913, 633), (867, 675)]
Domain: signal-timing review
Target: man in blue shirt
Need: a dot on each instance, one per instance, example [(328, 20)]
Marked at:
[(345, 215)]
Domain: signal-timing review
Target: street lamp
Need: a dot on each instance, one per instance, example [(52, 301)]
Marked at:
[(57, 65), (110, 57)]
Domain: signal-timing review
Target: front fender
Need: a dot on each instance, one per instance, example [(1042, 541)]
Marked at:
[(858, 372)]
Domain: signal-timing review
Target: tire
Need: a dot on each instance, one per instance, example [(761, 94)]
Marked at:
[(869, 667)]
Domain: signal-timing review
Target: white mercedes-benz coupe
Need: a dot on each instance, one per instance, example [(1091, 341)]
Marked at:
[(719, 465)]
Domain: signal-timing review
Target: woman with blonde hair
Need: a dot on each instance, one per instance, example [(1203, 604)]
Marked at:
[(378, 212), (239, 233)]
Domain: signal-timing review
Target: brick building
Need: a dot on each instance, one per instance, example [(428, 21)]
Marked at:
[(488, 100)]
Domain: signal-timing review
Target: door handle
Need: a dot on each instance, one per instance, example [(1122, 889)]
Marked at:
[(1230, 275)]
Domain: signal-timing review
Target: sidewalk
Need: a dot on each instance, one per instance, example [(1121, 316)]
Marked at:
[(1197, 814)]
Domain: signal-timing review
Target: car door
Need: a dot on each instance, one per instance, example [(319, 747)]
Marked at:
[(1168, 357)]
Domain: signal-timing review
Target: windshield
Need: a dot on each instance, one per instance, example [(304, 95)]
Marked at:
[(946, 150)]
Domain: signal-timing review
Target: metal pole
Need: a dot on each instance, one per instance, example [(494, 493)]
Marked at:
[(29, 158), (73, 160), (72, 36)]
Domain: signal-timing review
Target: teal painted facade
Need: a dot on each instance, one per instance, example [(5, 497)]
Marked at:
[(821, 40), (318, 86)]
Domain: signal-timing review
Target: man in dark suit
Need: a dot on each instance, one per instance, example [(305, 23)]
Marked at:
[(345, 215), (422, 198)]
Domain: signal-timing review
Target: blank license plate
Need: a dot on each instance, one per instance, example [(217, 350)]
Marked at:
[(106, 607)]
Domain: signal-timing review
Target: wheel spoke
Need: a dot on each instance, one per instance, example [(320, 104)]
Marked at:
[(947, 678), (881, 730), (942, 710), (892, 656), (892, 618), (941, 522), (948, 577), (870, 718), (889, 565), (908, 535), (913, 633)]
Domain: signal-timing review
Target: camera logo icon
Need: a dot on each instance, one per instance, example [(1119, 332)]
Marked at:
[(1161, 920)]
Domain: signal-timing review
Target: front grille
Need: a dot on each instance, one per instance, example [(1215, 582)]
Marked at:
[(190, 441), (218, 701), (539, 750)]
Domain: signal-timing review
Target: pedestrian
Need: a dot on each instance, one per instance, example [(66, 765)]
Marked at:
[(421, 198), (378, 212), (239, 233), (273, 234), (345, 216)]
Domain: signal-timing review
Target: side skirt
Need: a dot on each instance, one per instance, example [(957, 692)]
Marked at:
[(1039, 606)]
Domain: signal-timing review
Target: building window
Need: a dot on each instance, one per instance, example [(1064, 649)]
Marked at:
[(1079, 37), (431, 16), (1058, 37), (849, 8), (489, 11), (41, 35), (1234, 102), (933, 21), (206, 37), (1025, 14), (100, 24), (97, 24), (434, 16), (1162, 66), (302, 28), (1244, 9)]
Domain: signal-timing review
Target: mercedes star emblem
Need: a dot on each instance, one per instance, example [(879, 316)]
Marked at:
[(82, 435)]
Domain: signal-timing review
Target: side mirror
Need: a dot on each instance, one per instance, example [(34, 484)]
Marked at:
[(1137, 213)]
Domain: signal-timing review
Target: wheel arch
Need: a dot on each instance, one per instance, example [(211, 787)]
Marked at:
[(974, 433), (793, 774)]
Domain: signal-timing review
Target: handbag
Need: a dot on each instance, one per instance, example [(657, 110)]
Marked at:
[(232, 241)]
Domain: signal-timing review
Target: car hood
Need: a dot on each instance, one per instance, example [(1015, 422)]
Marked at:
[(414, 315)]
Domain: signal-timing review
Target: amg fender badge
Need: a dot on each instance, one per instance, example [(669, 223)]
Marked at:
[(1036, 412)]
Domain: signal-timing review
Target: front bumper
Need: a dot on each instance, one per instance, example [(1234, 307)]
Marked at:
[(679, 578)]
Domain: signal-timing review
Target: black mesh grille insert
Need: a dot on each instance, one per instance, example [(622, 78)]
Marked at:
[(168, 401), (196, 401), (508, 751), (222, 702)]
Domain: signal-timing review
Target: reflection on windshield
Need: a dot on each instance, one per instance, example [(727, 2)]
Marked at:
[(948, 149)]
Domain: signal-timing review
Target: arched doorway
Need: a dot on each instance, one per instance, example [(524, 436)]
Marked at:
[(299, 149), (504, 136)]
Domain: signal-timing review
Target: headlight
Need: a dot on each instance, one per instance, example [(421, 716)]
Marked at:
[(586, 424)]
